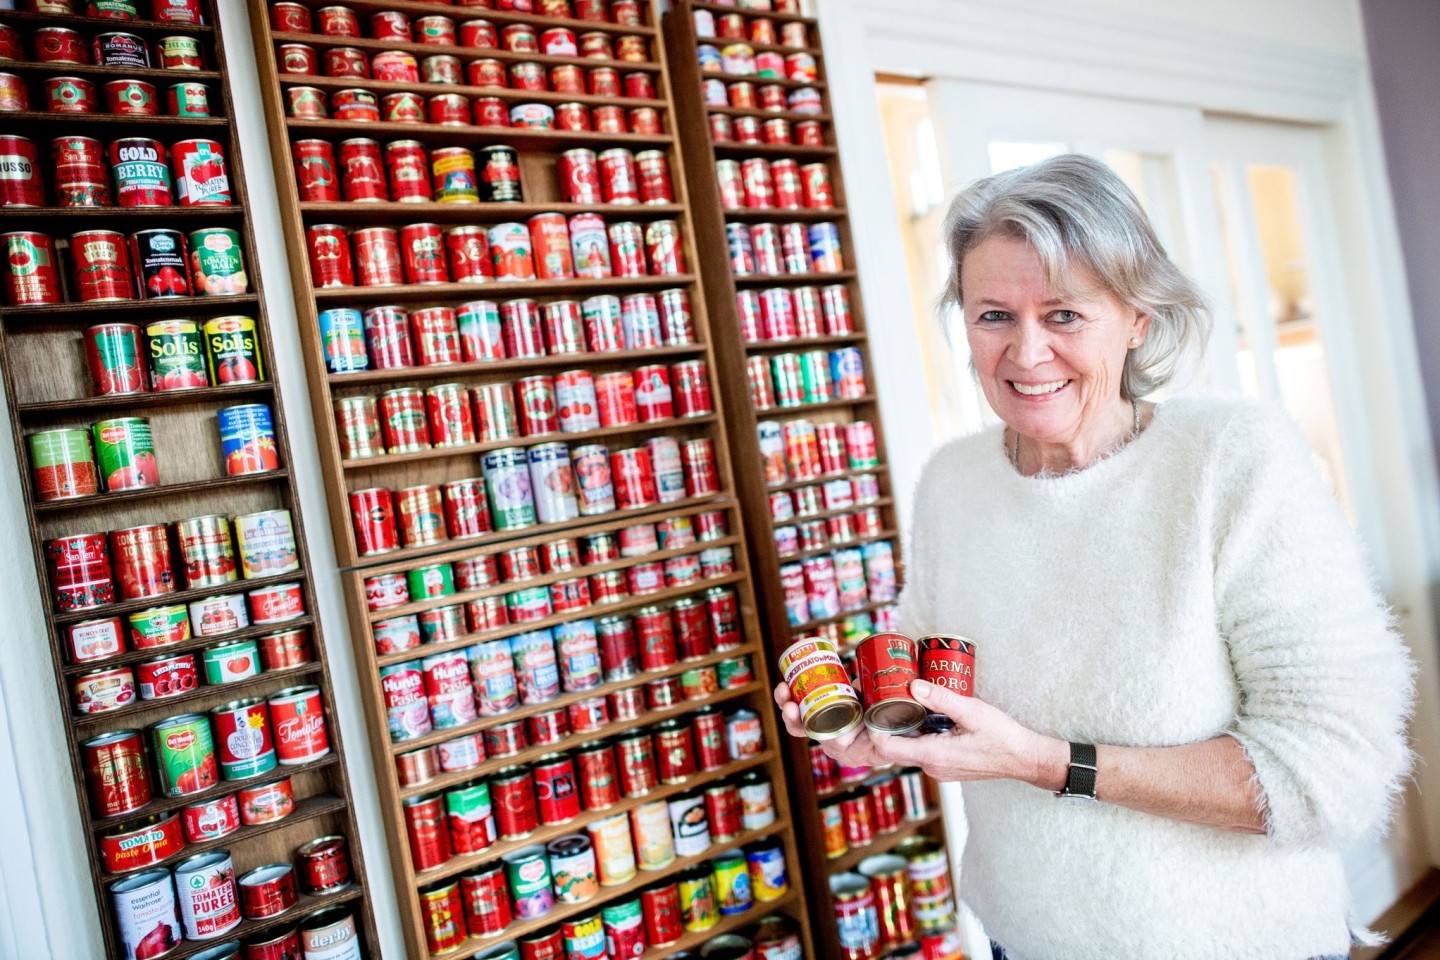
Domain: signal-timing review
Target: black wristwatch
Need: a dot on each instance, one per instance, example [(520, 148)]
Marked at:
[(1080, 780)]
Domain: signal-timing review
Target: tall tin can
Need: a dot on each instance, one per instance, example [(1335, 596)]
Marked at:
[(125, 453), (33, 277), (247, 439), (114, 359), (232, 351), (161, 264), (177, 355), (201, 179), (508, 485)]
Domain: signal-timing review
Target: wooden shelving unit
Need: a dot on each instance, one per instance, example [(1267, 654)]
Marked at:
[(736, 347), (47, 387), (537, 151)]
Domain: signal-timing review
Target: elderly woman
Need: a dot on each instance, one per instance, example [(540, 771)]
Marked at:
[(1171, 613)]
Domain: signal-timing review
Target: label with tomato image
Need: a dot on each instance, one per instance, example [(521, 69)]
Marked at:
[(159, 262), (32, 277), (217, 265), (167, 677), (112, 354), (233, 350), (177, 358), (510, 252), (267, 803), (159, 627), (247, 439), (125, 453), (185, 755), (200, 176), (242, 731)]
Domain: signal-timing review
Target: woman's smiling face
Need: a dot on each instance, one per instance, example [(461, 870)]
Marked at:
[(1050, 362)]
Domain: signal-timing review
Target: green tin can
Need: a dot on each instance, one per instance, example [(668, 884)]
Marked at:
[(816, 376), (789, 383), (698, 909), (217, 262), (62, 464), (734, 673), (159, 626), (625, 917), (177, 355), (229, 662), (185, 755), (188, 99), (507, 486), (435, 580), (732, 883), (113, 9), (470, 805), (125, 453), (527, 872)]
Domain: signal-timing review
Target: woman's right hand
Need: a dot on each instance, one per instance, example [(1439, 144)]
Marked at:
[(854, 749)]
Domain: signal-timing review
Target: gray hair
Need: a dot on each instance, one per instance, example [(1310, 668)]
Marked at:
[(1074, 211)]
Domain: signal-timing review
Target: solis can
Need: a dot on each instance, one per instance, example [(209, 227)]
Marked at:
[(176, 355), (232, 351)]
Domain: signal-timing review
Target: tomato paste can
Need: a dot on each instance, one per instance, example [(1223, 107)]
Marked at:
[(556, 794), (188, 100), (422, 256), (285, 648), (232, 351), (362, 172), (141, 177), (266, 544), (14, 95), (467, 512), (146, 914), (59, 45), (661, 907), (453, 176), (63, 466), (21, 182), (378, 260), (211, 819), (93, 640), (421, 517), (160, 263), (886, 664), (102, 266), (298, 717), (232, 661), (406, 706), (176, 354), (141, 561), (276, 603), (185, 755), (372, 515), (33, 277), (387, 337), (948, 661), (217, 263), (267, 891), (531, 886), (125, 453), (113, 358), (215, 616), (200, 173), (627, 249), (436, 336), (443, 912), (486, 900), (855, 916), (829, 705), (247, 439), (316, 173), (330, 934), (115, 773), (331, 262), (550, 246), (242, 730), (102, 690), (324, 865), (129, 98), (144, 843)]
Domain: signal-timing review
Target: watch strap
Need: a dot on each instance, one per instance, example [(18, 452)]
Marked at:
[(1080, 777)]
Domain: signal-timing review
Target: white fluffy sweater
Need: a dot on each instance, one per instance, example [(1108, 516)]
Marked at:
[(1201, 581)]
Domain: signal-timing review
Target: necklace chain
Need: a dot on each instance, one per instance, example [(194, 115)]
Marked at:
[(1134, 432)]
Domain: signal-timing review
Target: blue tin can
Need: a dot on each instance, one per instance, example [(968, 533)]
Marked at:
[(825, 256), (766, 860), (247, 439), (847, 371), (537, 672), (708, 54), (742, 251), (343, 333)]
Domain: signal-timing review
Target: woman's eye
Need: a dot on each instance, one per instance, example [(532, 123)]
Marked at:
[(1064, 316), (994, 316)]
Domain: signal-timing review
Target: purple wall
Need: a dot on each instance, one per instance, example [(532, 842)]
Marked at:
[(1403, 37)]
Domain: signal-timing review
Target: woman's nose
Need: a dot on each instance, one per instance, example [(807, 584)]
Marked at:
[(1031, 344)]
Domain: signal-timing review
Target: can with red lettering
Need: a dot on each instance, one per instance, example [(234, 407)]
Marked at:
[(102, 266), (362, 172), (298, 715), (387, 337), (661, 907), (324, 865), (513, 796), (21, 182), (331, 264), (425, 827)]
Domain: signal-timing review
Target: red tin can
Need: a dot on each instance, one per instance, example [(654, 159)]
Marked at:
[(948, 661), (166, 676), (551, 726), (598, 775), (626, 704), (426, 830), (574, 117), (627, 253), (331, 263), (378, 258), (391, 25), (403, 424), (267, 891), (887, 663), (691, 625), (633, 478), (619, 182), (421, 519), (486, 900), (550, 243), (815, 186), (468, 252), (809, 133), (480, 34), (467, 512), (69, 95), (316, 175), (702, 475), (324, 865), (115, 773), (536, 406), (887, 798), (298, 716), (708, 728), (556, 793), (724, 811), (662, 247), (288, 17), (387, 337), (654, 177), (692, 389), (443, 912), (675, 755), (505, 739), (664, 922), (513, 796), (102, 266), (447, 406), (362, 172), (422, 254), (299, 58), (858, 813), (141, 561), (639, 773), (436, 335), (372, 513), (579, 175), (34, 276), (22, 184), (59, 45), (347, 62), (135, 845)]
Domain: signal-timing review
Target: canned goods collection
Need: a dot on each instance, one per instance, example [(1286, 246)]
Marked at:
[(546, 247), (779, 185), (897, 898), (78, 95), (796, 379)]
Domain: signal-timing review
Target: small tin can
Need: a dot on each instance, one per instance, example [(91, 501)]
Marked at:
[(829, 705), (886, 664), (324, 865), (266, 802), (268, 890)]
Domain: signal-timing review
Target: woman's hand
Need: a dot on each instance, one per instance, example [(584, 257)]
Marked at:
[(985, 744), (854, 749)]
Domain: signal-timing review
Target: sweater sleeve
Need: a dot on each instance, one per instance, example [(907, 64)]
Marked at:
[(1325, 682)]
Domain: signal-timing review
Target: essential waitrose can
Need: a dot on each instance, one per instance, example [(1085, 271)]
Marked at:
[(146, 914)]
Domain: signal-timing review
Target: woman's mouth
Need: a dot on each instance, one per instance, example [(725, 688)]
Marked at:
[(1037, 389)]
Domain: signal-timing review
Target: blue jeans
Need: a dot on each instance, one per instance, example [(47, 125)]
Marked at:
[(997, 952)]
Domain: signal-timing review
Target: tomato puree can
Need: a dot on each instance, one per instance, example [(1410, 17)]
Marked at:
[(886, 664), (209, 906), (829, 705), (201, 177)]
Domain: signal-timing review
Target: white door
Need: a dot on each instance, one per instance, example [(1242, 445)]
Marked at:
[(1245, 208), (1301, 343)]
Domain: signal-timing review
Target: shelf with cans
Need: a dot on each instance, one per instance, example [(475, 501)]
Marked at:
[(527, 471), (753, 112), (189, 668)]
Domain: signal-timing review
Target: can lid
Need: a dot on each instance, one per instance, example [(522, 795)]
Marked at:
[(833, 720), (895, 717)]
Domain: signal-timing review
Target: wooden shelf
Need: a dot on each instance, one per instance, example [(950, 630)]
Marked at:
[(101, 501), (420, 8), (494, 765), (508, 94), (583, 436), (883, 843), (657, 598), (832, 548), (112, 404), (307, 904), (792, 115), (127, 218), (467, 213), (123, 607), (878, 469), (786, 279), (102, 73), (466, 53), (104, 312), (801, 409), (785, 215), (518, 365), (309, 808), (760, 81), (810, 626), (460, 292), (108, 125), (804, 343), (524, 138)]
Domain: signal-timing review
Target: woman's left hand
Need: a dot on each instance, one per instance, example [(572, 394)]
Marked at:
[(985, 744)]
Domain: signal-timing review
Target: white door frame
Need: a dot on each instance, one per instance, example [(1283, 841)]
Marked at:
[(1061, 46)]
